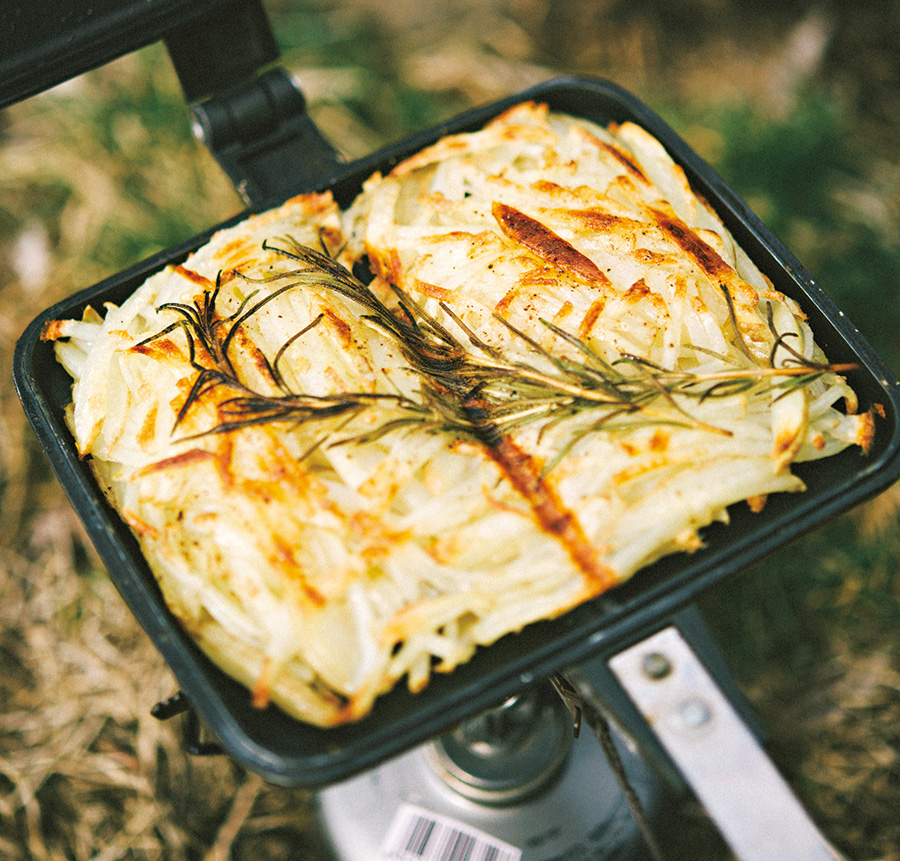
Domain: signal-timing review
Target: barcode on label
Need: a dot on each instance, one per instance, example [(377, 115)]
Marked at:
[(417, 834)]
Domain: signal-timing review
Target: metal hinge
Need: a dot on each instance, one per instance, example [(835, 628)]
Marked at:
[(254, 122), (264, 140)]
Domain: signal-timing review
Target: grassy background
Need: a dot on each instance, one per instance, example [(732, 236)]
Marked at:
[(797, 104)]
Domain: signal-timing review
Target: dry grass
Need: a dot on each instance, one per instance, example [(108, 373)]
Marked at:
[(104, 172)]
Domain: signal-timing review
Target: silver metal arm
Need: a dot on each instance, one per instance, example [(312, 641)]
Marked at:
[(749, 801)]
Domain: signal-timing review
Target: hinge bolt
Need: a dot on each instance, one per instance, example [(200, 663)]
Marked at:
[(656, 665), (694, 713)]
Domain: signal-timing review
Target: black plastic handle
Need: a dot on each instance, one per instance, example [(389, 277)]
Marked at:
[(46, 42)]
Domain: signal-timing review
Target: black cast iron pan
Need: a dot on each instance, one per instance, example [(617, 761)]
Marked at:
[(288, 752)]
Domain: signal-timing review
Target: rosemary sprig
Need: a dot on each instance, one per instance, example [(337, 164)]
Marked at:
[(467, 387), (202, 325)]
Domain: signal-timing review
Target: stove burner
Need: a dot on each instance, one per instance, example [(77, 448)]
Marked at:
[(512, 783)]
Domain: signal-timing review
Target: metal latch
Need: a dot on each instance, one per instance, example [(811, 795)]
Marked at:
[(194, 744)]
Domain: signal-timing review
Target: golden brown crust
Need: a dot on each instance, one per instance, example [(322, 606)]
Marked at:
[(547, 245)]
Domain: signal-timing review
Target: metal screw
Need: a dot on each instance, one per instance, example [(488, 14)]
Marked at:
[(656, 665), (694, 714)]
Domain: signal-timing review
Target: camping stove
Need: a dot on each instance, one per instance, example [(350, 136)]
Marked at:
[(516, 783), (511, 784)]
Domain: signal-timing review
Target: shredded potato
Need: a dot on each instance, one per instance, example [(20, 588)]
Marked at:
[(559, 367)]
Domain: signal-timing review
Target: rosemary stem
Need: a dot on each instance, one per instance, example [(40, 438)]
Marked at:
[(758, 373), (555, 383)]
